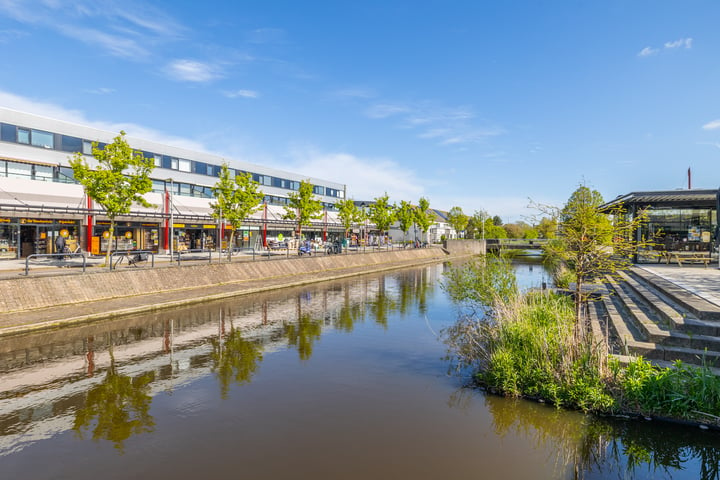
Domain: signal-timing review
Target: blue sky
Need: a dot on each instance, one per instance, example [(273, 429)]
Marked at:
[(484, 105)]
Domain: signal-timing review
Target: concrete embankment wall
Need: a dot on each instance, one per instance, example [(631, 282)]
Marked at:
[(23, 294), (465, 247)]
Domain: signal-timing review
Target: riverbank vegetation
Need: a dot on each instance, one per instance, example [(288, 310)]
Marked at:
[(529, 344)]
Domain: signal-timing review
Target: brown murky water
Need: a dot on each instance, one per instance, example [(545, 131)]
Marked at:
[(344, 380)]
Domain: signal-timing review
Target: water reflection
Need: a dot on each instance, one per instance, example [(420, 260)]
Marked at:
[(102, 379), (117, 407), (355, 356), (235, 359)]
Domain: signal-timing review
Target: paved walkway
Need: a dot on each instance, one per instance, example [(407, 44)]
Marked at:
[(57, 316), (702, 281)]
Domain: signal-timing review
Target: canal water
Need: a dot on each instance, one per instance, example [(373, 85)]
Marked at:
[(342, 380)]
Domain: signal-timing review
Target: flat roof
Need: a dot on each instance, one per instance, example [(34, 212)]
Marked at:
[(667, 198)]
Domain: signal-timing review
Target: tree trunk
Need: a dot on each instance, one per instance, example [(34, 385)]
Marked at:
[(111, 238), (231, 244)]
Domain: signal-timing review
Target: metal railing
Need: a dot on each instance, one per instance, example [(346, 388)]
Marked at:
[(136, 257), (133, 257), (197, 253), (60, 256)]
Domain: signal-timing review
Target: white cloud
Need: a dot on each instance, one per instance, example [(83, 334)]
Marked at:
[(192, 71), (681, 43), (384, 110), (509, 208), (128, 29), (45, 109), (714, 125), (101, 91), (366, 178), (647, 51), (242, 94)]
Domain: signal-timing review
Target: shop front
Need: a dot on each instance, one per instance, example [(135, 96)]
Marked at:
[(127, 236), (194, 236), (39, 236), (676, 220)]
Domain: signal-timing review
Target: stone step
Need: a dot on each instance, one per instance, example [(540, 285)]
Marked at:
[(697, 306), (654, 333), (643, 337), (625, 359), (675, 318)]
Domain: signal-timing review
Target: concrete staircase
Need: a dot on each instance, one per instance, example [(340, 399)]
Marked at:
[(640, 313)]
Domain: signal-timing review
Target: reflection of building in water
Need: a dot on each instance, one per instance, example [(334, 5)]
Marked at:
[(46, 376)]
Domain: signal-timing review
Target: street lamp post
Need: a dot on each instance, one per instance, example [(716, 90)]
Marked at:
[(172, 219)]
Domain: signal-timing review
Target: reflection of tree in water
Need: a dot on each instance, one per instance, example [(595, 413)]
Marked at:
[(618, 449), (382, 305), (116, 408), (348, 315), (303, 334), (235, 359)]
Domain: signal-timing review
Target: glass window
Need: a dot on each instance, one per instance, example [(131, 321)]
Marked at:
[(295, 186), (42, 139), (184, 165), (166, 161), (157, 160), (71, 144), (199, 167), (209, 170), (185, 189), (277, 182), (8, 133), (158, 186), (19, 170), (174, 163), (23, 136), (66, 175), (87, 147), (318, 190), (43, 173)]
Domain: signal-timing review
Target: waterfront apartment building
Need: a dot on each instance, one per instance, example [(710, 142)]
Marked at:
[(40, 200)]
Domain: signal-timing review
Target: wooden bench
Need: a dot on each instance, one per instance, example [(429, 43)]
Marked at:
[(689, 257)]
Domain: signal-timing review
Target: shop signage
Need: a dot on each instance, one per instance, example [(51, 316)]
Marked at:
[(4, 220), (46, 221)]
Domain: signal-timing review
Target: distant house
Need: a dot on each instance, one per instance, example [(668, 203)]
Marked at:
[(438, 228)]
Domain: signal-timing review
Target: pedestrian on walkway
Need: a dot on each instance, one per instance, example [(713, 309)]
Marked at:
[(60, 244)]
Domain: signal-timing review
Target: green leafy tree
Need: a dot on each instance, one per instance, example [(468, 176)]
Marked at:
[(405, 216), (457, 219), (476, 224), (303, 206), (349, 213), (423, 217), (516, 230), (382, 213), (119, 179), (235, 200), (547, 227), (593, 242)]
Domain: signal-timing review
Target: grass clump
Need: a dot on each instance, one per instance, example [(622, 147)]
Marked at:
[(524, 344), (681, 391), (529, 344)]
